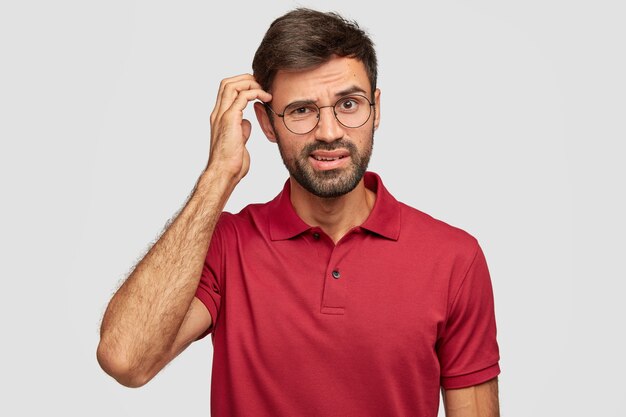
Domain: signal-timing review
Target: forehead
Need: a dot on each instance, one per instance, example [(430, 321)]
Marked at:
[(320, 83)]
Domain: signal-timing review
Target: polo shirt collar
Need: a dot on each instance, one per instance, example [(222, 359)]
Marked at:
[(384, 220)]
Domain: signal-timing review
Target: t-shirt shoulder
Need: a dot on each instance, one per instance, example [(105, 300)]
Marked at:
[(418, 223), (229, 222)]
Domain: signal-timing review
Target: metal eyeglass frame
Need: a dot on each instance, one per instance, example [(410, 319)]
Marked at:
[(319, 112)]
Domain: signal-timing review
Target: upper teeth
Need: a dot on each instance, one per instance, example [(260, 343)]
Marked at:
[(321, 158)]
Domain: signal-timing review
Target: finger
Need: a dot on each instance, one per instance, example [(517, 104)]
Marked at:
[(232, 119), (235, 111), (227, 85), (246, 128), (228, 80), (232, 90), (218, 96), (245, 97)]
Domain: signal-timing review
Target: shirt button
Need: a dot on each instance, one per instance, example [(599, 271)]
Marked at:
[(336, 274), (316, 236)]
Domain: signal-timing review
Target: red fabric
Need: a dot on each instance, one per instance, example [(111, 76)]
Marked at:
[(409, 309)]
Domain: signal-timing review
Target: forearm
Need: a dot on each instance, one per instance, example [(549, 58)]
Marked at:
[(144, 316), (476, 401), (140, 325)]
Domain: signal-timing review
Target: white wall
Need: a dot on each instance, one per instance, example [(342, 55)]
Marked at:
[(503, 118)]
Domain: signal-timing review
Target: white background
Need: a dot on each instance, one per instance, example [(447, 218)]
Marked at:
[(503, 118)]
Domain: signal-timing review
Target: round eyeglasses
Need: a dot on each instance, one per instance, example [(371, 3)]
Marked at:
[(304, 116)]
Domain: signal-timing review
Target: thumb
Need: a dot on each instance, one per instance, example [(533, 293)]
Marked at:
[(246, 128)]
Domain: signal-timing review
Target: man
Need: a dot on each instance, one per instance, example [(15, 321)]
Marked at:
[(333, 299)]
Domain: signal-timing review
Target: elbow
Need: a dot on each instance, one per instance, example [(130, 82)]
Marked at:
[(117, 366)]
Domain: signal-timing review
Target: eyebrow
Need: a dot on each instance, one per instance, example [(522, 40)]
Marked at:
[(350, 90)]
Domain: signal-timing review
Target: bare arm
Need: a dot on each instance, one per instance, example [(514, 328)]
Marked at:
[(154, 316), (477, 401)]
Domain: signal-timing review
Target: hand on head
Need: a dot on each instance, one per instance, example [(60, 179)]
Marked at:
[(229, 130)]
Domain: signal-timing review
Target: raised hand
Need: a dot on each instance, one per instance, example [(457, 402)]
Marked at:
[(229, 130)]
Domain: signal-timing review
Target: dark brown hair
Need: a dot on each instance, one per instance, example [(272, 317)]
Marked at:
[(305, 38)]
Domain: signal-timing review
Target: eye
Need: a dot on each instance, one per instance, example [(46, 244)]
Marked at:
[(348, 104), (300, 111)]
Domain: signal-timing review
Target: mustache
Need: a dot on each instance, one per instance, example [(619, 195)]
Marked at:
[(329, 146)]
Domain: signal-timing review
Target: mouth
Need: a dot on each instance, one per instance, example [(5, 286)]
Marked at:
[(325, 160), (334, 155)]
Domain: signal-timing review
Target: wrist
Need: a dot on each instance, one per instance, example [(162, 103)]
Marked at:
[(216, 182)]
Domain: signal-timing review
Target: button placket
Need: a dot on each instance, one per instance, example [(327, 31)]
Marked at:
[(334, 295)]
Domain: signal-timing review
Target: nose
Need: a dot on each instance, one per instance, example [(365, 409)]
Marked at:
[(328, 128)]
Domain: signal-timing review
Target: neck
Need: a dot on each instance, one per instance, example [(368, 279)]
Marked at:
[(335, 216)]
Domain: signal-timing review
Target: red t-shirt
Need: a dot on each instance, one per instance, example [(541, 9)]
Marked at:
[(371, 326)]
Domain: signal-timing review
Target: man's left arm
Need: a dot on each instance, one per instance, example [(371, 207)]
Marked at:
[(476, 401)]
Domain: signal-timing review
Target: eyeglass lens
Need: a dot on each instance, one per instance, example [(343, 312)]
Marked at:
[(351, 111)]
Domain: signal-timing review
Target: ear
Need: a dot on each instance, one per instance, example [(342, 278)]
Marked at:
[(264, 121), (377, 107)]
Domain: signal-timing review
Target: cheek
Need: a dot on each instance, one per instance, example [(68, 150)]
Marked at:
[(288, 150), (295, 147), (364, 139)]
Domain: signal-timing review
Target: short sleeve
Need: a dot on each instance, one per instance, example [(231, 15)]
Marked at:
[(209, 289), (467, 348)]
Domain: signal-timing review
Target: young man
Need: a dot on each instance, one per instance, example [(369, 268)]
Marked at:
[(333, 299)]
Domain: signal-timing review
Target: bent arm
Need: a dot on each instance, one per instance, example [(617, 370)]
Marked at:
[(151, 318), (476, 401)]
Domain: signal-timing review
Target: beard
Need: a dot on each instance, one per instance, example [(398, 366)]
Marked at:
[(330, 183)]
